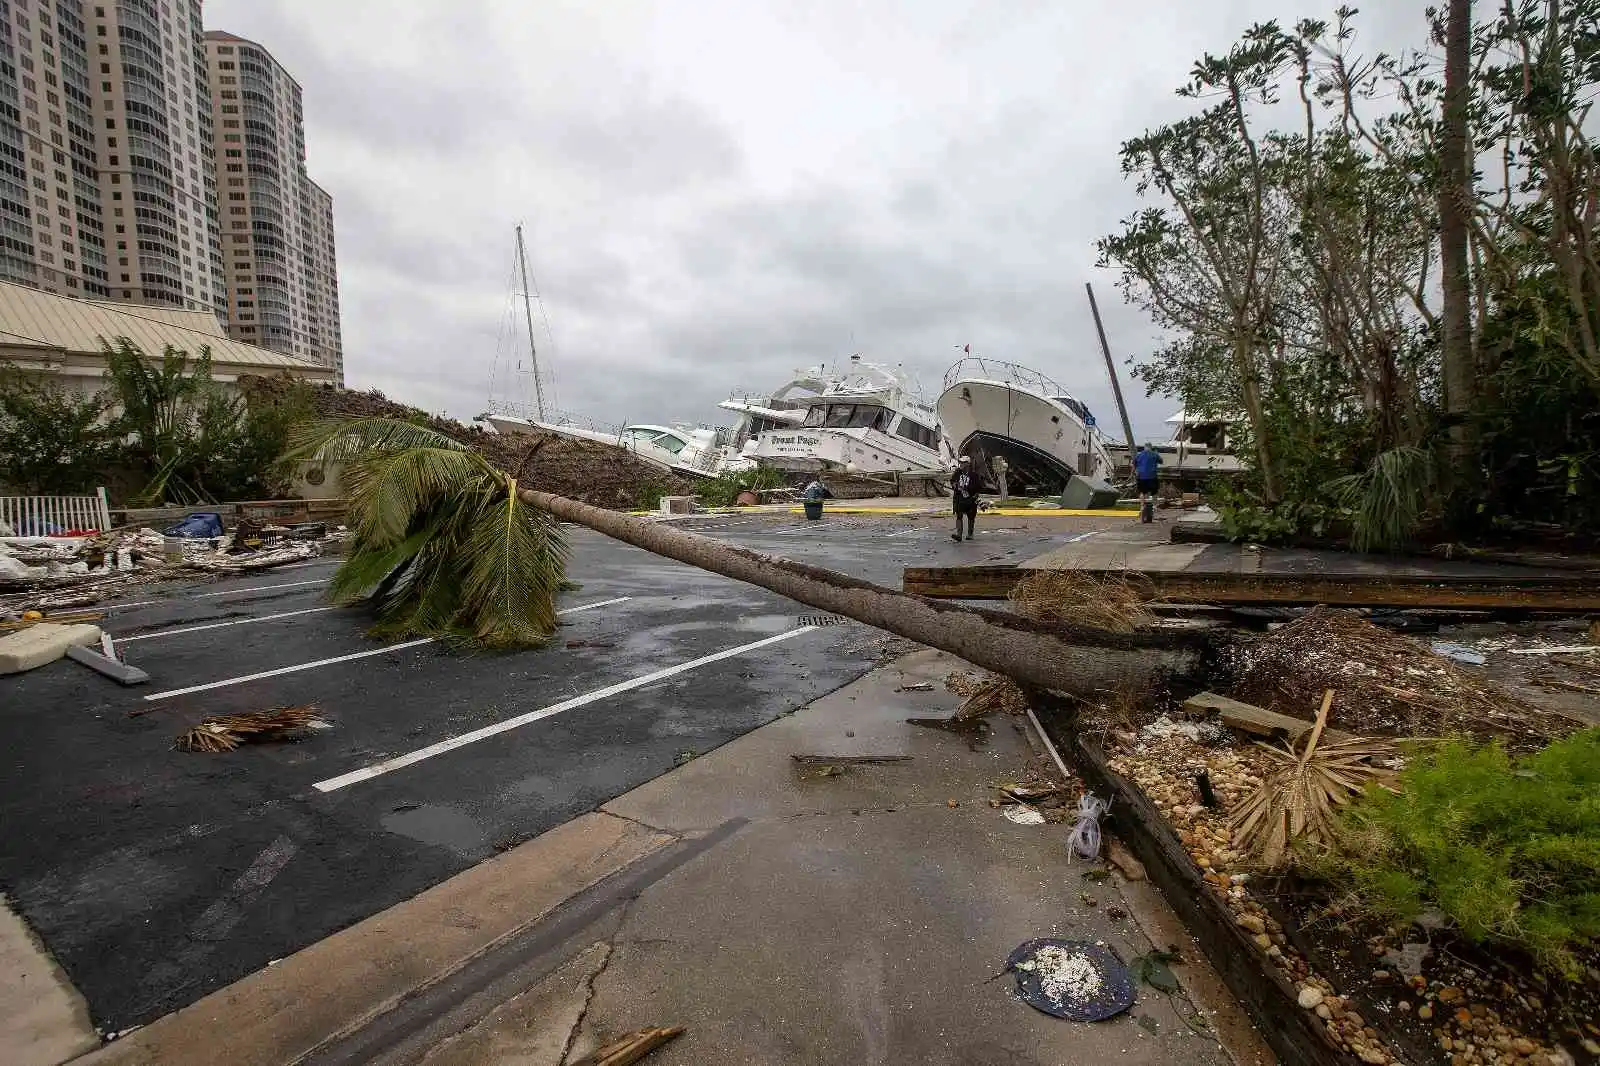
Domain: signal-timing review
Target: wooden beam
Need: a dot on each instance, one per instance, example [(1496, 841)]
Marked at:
[(1248, 718), (1570, 594)]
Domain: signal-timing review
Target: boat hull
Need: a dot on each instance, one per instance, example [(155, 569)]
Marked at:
[(1043, 442), (862, 451)]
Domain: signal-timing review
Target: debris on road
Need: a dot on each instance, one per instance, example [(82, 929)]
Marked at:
[(42, 643), (81, 571), (1071, 979), (918, 686), (226, 732), (1118, 855), (631, 1048), (985, 694), (1022, 814), (108, 665), (1084, 841)]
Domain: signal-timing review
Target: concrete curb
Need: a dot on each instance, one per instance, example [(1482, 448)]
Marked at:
[(283, 1013)]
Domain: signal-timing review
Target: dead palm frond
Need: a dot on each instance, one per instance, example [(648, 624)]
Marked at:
[(1297, 802), (441, 545), (1100, 600), (226, 732)]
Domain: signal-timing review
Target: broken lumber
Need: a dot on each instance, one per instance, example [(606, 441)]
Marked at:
[(631, 1048), (115, 669), (1248, 718), (1565, 594)]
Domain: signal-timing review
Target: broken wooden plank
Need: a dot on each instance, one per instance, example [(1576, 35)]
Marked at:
[(631, 1048), (861, 760), (1561, 593), (1248, 718), (118, 671)]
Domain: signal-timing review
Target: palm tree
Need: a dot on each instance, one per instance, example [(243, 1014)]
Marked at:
[(443, 546), (447, 544)]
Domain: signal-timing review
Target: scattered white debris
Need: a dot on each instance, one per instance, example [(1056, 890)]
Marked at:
[(1064, 975), (1023, 815)]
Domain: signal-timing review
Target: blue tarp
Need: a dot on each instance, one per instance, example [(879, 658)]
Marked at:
[(199, 524)]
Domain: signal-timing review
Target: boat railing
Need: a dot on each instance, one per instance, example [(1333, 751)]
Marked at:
[(1008, 373)]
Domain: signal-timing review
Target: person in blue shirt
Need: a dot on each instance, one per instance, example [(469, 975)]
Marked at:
[(1145, 466)]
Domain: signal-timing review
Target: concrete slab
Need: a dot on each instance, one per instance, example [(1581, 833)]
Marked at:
[(43, 1020), (859, 918), (280, 1014)]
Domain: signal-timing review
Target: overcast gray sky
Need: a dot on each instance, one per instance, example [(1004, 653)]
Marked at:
[(719, 191)]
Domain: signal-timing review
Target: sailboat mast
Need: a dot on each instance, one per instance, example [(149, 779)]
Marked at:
[(527, 309)]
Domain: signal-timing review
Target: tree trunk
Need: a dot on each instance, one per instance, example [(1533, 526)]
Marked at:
[(1072, 659), (1455, 198)]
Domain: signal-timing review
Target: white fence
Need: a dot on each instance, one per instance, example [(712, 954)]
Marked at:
[(39, 516)]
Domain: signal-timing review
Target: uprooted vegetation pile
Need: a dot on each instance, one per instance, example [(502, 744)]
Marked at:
[(583, 470), (1388, 684)]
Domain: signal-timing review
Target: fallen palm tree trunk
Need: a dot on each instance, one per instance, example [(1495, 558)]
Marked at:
[(1519, 594), (1052, 655)]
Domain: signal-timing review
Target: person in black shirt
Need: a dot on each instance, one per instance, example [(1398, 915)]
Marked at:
[(964, 497)]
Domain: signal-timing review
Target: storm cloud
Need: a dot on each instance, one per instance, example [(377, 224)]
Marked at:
[(716, 193)]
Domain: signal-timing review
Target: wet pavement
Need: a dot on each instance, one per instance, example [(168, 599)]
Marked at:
[(155, 876)]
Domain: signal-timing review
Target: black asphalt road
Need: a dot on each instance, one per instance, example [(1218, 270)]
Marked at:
[(156, 876)]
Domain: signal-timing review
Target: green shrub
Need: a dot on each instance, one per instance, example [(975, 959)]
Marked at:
[(724, 490), (1508, 849)]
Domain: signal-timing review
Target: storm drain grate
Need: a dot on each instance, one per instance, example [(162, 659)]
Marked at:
[(823, 620)]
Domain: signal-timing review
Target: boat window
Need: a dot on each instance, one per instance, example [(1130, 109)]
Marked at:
[(912, 431), (670, 443), (840, 416), (816, 414), (868, 416)]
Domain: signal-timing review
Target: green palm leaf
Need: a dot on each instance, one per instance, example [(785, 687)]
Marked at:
[(441, 545)]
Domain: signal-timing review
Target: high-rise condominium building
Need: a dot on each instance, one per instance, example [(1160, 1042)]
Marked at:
[(276, 224), (144, 160)]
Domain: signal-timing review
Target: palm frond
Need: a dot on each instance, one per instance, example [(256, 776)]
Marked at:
[(518, 561), (1389, 500), (441, 546), (340, 440)]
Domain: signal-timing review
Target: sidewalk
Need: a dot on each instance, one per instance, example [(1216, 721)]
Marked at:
[(781, 918), (856, 918)]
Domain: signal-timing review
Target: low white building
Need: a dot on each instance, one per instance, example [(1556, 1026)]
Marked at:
[(40, 331)]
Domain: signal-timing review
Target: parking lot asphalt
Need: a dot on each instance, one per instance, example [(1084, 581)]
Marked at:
[(155, 876)]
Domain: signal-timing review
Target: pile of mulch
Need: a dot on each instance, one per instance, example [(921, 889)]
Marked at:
[(1387, 685), (582, 470)]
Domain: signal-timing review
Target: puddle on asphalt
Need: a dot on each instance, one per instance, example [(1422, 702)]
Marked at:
[(441, 826)]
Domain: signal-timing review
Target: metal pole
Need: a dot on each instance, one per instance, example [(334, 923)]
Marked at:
[(527, 309), (1111, 368)]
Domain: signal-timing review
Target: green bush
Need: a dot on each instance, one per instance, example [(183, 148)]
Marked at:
[(724, 490), (53, 441), (1507, 848)]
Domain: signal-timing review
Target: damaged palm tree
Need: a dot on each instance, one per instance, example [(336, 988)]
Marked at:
[(446, 544), (227, 731), (442, 546)]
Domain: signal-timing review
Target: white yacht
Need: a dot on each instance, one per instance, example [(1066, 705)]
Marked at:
[(1201, 445), (992, 409), (864, 418)]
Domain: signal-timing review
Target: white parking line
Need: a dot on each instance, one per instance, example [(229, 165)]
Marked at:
[(367, 773), (258, 588), (230, 681), (219, 625)]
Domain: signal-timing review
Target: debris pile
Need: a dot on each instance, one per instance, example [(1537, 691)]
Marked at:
[(226, 732), (1388, 684), (985, 694), (594, 473), (66, 572)]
